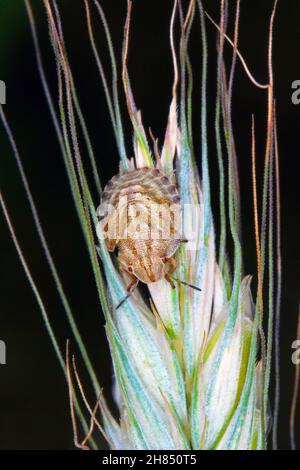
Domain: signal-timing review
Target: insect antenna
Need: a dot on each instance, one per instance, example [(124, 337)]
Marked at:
[(124, 300), (187, 284), (130, 290)]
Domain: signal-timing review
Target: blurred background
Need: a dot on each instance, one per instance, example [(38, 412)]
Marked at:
[(34, 409)]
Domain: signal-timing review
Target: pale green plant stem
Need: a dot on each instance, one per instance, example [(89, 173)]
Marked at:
[(77, 105), (119, 125), (81, 205), (206, 197), (270, 281), (71, 173), (44, 314), (278, 290), (236, 183), (49, 258), (184, 173), (132, 110), (222, 242), (268, 156), (102, 74), (48, 255), (186, 95), (190, 85), (204, 150)]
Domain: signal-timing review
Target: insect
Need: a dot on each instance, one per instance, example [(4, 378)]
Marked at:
[(139, 196)]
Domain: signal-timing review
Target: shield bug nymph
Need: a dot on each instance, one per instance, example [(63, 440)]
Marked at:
[(142, 220)]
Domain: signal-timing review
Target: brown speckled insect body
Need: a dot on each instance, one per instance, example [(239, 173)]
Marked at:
[(143, 258)]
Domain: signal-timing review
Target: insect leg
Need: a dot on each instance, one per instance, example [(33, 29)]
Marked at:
[(111, 244), (134, 280), (130, 287), (172, 266)]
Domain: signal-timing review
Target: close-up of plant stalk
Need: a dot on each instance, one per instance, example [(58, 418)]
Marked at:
[(192, 359)]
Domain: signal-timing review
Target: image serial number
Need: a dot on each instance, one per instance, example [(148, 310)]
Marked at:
[(171, 459)]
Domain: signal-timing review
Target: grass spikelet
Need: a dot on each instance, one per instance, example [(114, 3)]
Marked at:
[(188, 370)]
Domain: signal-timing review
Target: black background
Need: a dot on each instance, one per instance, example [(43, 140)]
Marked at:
[(33, 394)]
